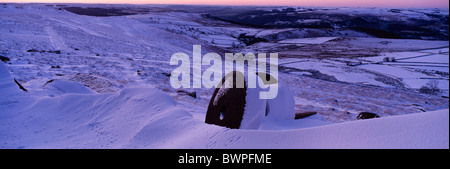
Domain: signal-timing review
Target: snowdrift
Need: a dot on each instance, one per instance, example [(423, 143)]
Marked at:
[(7, 85), (148, 118), (9, 91), (64, 87)]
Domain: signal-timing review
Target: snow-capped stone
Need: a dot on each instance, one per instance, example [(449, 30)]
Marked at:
[(248, 109), (64, 86), (366, 115)]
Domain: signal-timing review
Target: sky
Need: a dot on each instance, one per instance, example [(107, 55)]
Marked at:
[(325, 3)]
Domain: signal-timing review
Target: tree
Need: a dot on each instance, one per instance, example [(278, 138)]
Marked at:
[(431, 88)]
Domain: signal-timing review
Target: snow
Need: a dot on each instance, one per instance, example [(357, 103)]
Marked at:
[(423, 130), (412, 79), (4, 74), (147, 118), (64, 87), (262, 113), (317, 40), (439, 58), (8, 88), (337, 69), (282, 106), (394, 71), (272, 31), (255, 108), (86, 121), (283, 124), (414, 68), (112, 92)]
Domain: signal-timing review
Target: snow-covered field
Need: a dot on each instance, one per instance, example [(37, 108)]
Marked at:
[(102, 82), (147, 118)]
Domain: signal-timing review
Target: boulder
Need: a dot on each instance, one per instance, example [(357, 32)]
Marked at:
[(65, 87), (366, 115), (304, 115), (192, 94), (4, 59)]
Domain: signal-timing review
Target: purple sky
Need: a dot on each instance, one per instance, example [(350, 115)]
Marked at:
[(327, 3)]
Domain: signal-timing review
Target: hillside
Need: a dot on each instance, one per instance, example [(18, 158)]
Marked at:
[(102, 81)]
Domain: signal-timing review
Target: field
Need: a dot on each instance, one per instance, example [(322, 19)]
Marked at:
[(112, 67)]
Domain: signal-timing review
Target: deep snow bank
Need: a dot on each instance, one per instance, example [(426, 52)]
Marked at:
[(88, 120), (7, 86), (420, 130), (147, 118)]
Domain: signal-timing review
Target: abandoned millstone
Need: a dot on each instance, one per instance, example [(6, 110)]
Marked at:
[(226, 107), (242, 108)]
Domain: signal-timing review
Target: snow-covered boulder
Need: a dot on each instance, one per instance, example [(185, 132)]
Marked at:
[(366, 115), (244, 109), (63, 87)]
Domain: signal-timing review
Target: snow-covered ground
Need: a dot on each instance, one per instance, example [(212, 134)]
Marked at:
[(101, 82), (412, 69), (147, 118)]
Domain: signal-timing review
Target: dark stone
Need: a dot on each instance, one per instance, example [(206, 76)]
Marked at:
[(48, 82), (55, 52), (366, 115), (166, 74), (230, 104), (33, 50), (192, 94), (4, 59), (304, 114), (250, 39), (20, 86)]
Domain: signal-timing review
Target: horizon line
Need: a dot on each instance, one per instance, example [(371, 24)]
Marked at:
[(235, 5)]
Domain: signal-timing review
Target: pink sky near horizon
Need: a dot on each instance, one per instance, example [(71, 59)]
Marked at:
[(325, 3)]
